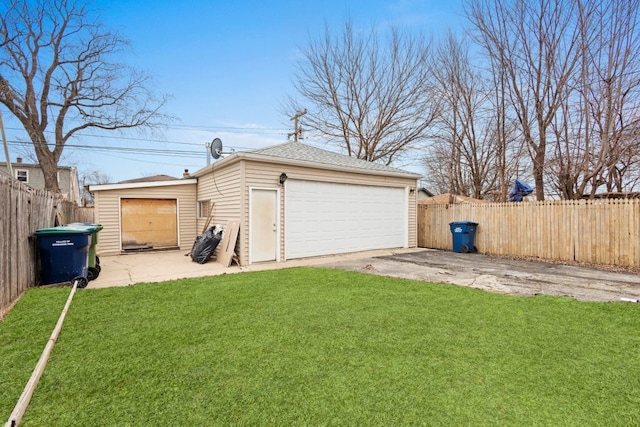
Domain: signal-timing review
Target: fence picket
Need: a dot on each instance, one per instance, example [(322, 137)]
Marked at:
[(592, 231), (23, 210)]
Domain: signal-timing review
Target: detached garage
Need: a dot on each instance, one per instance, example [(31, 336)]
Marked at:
[(154, 213), (293, 201)]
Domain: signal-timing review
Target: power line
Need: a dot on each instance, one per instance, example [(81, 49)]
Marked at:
[(132, 150), (145, 161), (248, 131), (216, 128)]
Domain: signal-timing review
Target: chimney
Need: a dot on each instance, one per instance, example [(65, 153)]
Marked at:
[(185, 174), (18, 159)]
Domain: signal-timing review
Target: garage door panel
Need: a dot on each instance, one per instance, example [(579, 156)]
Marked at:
[(148, 223), (326, 218)]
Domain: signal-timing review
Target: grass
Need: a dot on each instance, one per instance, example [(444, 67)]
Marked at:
[(321, 347)]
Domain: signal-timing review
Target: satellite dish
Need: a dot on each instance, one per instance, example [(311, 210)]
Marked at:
[(216, 148)]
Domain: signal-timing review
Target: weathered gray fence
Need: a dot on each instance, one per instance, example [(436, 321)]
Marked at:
[(591, 231), (23, 210)]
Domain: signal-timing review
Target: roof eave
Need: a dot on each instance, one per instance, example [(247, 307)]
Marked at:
[(104, 187), (225, 161), (303, 163)]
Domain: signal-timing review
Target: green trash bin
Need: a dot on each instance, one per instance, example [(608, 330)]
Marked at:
[(94, 262)]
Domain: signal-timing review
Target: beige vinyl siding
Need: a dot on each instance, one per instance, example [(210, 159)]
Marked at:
[(36, 177), (223, 187), (413, 219), (107, 213), (266, 175)]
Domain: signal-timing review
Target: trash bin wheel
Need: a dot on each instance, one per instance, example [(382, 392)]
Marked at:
[(474, 250), (82, 282), (465, 249), (92, 273)]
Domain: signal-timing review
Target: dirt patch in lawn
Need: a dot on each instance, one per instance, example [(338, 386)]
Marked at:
[(504, 275)]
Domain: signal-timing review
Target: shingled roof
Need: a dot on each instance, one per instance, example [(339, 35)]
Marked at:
[(447, 198), (153, 178), (299, 152)]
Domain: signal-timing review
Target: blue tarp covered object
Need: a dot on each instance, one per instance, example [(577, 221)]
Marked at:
[(519, 190)]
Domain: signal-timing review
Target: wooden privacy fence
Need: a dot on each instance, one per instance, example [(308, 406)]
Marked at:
[(23, 210), (591, 231)]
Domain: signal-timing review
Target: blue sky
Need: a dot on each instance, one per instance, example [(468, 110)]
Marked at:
[(227, 66)]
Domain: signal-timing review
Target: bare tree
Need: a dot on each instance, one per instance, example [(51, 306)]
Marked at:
[(534, 42), (58, 76), (600, 114), (91, 177), (623, 175), (374, 101), (473, 150)]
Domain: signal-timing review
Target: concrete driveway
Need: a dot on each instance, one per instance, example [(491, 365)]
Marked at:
[(128, 269), (502, 275), (495, 274)]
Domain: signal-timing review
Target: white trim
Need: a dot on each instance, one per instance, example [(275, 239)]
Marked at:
[(120, 223), (26, 171), (407, 192), (177, 199), (278, 220), (284, 219), (199, 203), (178, 222), (104, 187)]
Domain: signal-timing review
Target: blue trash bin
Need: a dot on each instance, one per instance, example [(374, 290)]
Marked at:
[(463, 234), (64, 254)]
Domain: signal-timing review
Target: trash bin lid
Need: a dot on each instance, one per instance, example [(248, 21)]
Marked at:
[(83, 226), (454, 223), (61, 230)]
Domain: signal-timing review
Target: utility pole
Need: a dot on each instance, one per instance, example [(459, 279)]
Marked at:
[(297, 131), (6, 147)]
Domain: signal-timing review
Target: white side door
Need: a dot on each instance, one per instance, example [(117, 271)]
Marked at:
[(263, 225)]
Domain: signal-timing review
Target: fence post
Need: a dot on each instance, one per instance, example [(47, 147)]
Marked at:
[(602, 231)]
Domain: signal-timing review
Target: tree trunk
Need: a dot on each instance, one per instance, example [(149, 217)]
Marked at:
[(538, 170), (50, 171)]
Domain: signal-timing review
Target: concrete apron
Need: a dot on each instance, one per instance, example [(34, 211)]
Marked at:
[(494, 274), (152, 267)]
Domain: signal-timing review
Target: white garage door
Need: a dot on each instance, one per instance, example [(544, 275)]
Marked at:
[(324, 218)]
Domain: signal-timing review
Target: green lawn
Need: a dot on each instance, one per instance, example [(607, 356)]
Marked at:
[(321, 347)]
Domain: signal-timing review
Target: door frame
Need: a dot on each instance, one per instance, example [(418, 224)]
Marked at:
[(120, 198), (276, 190)]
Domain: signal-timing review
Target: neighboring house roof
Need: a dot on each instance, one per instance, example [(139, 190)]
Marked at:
[(613, 195), (426, 193), (153, 178), (447, 198), (20, 165), (296, 153), (142, 184)]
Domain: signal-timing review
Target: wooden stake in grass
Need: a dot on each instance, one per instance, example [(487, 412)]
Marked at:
[(25, 397)]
